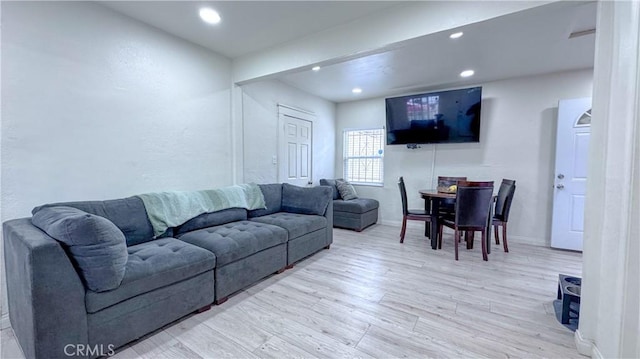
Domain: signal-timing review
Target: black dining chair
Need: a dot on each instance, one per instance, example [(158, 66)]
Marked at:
[(447, 206), (501, 212), (409, 214), (472, 208)]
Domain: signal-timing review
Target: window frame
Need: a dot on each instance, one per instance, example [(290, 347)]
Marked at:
[(346, 158)]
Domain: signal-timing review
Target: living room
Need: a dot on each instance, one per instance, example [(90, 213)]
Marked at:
[(99, 105)]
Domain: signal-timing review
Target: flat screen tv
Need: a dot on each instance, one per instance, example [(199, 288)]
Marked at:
[(435, 117)]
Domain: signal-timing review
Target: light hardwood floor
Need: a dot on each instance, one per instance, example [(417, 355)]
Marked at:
[(371, 297)]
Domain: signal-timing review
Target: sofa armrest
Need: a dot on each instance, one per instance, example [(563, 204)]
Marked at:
[(46, 296), (329, 216)]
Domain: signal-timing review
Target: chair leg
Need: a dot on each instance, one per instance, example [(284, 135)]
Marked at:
[(469, 239), (440, 236), (404, 228), (504, 237), (495, 232), (484, 245), (456, 239)]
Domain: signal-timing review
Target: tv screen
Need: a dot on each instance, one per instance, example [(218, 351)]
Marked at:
[(436, 117)]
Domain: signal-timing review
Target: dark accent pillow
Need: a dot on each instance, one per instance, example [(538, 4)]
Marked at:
[(331, 183), (128, 214), (346, 189), (97, 247), (305, 200)]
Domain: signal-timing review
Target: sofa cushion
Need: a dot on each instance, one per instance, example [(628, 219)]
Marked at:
[(153, 265), (212, 219), (273, 199), (331, 183), (97, 246), (233, 241), (296, 224), (128, 214), (358, 205), (305, 200), (346, 189)]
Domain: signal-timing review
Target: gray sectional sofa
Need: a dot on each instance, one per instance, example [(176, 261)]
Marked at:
[(186, 269), (356, 214)]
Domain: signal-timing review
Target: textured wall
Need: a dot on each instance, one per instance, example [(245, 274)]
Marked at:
[(96, 105), (260, 133), (517, 141)]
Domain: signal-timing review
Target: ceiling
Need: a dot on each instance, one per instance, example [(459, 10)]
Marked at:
[(530, 42), (247, 26)]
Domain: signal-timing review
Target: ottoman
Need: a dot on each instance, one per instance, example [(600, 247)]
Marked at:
[(356, 214)]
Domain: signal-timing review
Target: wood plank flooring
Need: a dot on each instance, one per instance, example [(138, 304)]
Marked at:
[(371, 297)]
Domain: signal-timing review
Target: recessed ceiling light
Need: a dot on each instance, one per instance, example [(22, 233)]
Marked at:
[(356, 90), (209, 15), (467, 73), (456, 35), (316, 68)]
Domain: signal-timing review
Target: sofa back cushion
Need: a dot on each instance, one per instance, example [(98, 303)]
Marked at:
[(272, 197), (333, 184), (306, 200), (128, 214), (212, 219), (97, 247)]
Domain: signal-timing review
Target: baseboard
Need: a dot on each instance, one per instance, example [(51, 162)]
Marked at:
[(4, 321), (392, 223), (584, 346), (596, 353)]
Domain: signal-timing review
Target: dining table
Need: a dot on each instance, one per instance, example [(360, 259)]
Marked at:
[(432, 200)]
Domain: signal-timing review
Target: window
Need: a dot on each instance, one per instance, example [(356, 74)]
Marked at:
[(363, 156), (423, 108), (584, 120)]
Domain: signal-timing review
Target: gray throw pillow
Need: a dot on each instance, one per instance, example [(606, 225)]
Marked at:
[(306, 200), (98, 248), (346, 189)]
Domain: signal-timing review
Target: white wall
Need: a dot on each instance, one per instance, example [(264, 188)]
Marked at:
[(97, 106), (517, 141), (260, 133), (610, 299)]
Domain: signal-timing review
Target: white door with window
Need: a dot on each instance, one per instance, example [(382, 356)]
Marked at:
[(295, 146), (572, 147)]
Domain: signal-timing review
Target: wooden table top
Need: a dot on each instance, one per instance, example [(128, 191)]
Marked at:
[(434, 193)]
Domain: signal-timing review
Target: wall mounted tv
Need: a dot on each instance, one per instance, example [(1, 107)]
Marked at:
[(435, 117)]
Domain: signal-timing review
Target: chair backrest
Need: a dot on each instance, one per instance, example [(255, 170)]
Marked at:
[(444, 182), (465, 183), (473, 204), (505, 196), (403, 195)]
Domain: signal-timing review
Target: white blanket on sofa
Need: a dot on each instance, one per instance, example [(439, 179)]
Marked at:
[(171, 209)]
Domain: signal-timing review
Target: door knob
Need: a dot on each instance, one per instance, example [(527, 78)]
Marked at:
[(560, 186), (560, 176)]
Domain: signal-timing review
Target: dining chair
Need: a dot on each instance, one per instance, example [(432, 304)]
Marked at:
[(447, 206), (472, 208), (501, 212), (409, 214), (445, 182)]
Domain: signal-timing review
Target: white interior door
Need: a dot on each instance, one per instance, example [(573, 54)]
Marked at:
[(572, 147), (295, 146)]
